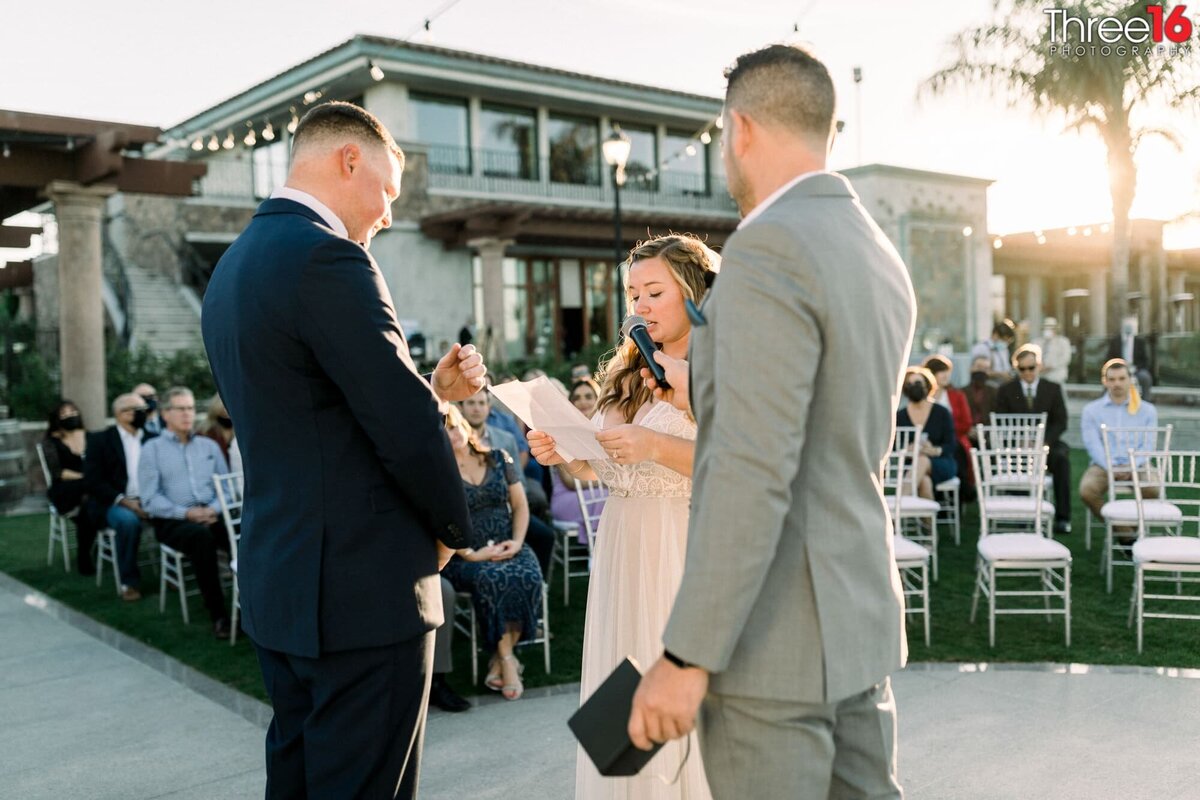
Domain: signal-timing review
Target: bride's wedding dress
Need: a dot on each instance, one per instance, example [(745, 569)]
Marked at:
[(637, 566)]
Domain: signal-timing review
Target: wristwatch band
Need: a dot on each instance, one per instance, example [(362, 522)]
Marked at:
[(677, 661)]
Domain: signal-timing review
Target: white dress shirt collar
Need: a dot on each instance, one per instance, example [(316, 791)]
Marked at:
[(775, 195), (306, 199)]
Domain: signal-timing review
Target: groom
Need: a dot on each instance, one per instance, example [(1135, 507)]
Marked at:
[(789, 618), (352, 493)]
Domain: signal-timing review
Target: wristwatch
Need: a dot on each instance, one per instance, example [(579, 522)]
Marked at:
[(679, 662)]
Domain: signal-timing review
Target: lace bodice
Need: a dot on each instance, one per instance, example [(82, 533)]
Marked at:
[(648, 479)]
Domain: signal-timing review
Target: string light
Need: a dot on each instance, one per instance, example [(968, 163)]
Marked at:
[(198, 145), (229, 142), (7, 151), (967, 231), (293, 122), (268, 133), (213, 144), (250, 140), (998, 243), (376, 71), (706, 138)]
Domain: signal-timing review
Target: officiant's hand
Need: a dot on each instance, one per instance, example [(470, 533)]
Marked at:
[(629, 444), (666, 703), (541, 447), (459, 374), (676, 370)]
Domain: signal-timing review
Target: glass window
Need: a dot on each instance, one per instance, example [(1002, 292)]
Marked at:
[(574, 149), (643, 157), (543, 308), (686, 167), (509, 142), (441, 123), (516, 311), (270, 167), (599, 302)]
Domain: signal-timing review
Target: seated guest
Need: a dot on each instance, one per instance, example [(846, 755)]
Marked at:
[(64, 448), (218, 426), (1131, 348), (995, 350), (175, 477), (981, 396), (1120, 407), (149, 395), (501, 574), (935, 462), (564, 502), (111, 474), (956, 403), (579, 372), (1030, 393), (476, 409)]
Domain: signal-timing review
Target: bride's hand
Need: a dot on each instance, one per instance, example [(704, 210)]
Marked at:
[(629, 444), (541, 447)]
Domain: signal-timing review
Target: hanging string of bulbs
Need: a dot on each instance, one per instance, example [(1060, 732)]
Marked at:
[(704, 136), (212, 141)]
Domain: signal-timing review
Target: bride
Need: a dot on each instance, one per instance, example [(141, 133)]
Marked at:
[(642, 536)]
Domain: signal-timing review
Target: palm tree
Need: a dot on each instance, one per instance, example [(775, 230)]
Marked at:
[(1102, 89)]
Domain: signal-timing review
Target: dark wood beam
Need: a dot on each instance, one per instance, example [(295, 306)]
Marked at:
[(152, 176), (16, 274), (101, 158), (33, 168), (71, 126), (17, 236)]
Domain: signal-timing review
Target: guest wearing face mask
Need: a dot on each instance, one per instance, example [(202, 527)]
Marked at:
[(110, 476), (218, 426), (150, 396), (936, 461), (981, 396), (64, 447)]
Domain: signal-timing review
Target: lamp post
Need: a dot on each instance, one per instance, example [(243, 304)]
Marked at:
[(616, 153)]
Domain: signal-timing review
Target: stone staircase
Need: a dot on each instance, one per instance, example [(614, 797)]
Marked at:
[(166, 316)]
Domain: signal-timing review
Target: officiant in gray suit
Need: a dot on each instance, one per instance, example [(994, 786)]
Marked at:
[(789, 619)]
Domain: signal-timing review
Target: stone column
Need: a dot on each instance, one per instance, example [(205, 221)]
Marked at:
[(1035, 286), (1098, 300), (491, 267), (80, 211)]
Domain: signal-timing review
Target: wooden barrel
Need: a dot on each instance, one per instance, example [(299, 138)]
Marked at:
[(14, 480)]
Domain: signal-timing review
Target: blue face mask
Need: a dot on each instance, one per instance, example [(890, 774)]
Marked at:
[(151, 401)]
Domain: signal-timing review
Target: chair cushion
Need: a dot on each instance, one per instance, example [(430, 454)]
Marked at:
[(1167, 550), (1022, 547), (916, 505), (948, 485), (907, 550), (1126, 511), (1017, 504)]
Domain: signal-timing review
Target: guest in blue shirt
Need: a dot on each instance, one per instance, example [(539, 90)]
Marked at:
[(1120, 407), (175, 479)]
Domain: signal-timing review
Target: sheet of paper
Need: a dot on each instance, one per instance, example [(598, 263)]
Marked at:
[(542, 407)]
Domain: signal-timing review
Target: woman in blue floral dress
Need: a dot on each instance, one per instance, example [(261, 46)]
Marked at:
[(499, 571)]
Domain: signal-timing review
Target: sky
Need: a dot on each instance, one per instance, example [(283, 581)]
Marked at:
[(160, 62)]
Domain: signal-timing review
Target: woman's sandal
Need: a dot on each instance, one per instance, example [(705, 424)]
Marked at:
[(513, 691), (494, 680)]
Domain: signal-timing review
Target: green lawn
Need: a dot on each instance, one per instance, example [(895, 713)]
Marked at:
[(1099, 634)]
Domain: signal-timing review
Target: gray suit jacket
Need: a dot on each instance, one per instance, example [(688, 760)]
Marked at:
[(790, 589)]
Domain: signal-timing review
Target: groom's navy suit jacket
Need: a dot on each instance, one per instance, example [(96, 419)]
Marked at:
[(349, 475)]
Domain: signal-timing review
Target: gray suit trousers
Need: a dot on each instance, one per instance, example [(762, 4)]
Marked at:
[(806, 751), (442, 662)]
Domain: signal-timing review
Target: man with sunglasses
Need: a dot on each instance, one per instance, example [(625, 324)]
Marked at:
[(1032, 393)]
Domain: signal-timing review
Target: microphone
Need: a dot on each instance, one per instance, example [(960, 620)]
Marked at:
[(634, 328)]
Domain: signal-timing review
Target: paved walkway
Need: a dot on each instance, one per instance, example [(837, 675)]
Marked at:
[(88, 713)]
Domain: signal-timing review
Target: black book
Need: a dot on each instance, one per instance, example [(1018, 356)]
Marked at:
[(602, 724)]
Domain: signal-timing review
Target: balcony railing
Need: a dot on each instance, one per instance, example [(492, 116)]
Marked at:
[(489, 173)]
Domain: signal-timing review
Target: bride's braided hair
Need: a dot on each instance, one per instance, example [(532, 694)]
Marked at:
[(693, 265)]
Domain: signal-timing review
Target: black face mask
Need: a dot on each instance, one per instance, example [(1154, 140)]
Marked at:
[(151, 402), (225, 422), (979, 377), (71, 423), (916, 392), (139, 419)]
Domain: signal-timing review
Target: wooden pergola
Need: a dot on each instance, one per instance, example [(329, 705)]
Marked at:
[(77, 164)]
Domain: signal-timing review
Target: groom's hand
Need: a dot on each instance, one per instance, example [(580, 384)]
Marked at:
[(666, 702), (676, 371), (459, 374)]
